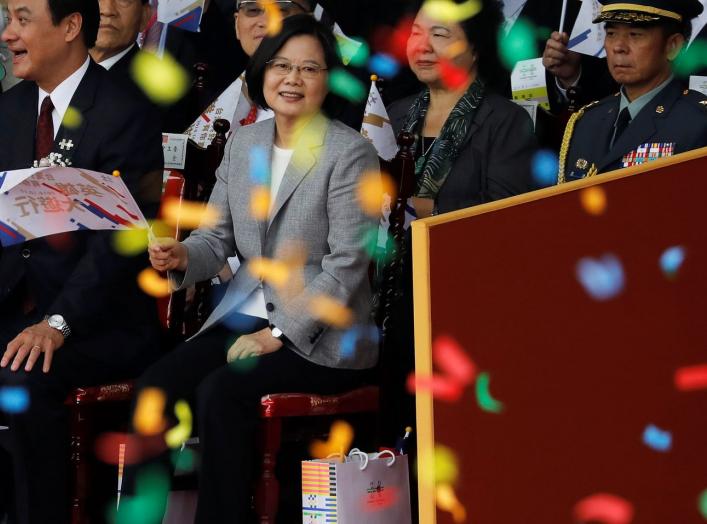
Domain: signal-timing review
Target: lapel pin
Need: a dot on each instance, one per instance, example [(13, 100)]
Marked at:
[(582, 164), (64, 145), (686, 92), (703, 102), (660, 110)]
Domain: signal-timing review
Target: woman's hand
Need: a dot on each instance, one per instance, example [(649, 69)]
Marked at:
[(167, 254), (560, 61), (254, 345)]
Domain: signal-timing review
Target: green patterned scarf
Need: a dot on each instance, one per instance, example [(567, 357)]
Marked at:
[(433, 168)]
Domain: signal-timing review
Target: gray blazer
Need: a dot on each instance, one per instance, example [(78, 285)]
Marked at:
[(316, 214)]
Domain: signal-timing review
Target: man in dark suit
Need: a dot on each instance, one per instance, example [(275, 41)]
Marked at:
[(121, 22), (72, 312), (653, 115)]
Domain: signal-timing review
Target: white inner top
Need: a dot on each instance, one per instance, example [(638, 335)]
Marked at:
[(62, 95)]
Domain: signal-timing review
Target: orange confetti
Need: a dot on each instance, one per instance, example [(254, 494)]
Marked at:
[(274, 16), (331, 311), (339, 442), (116, 173), (447, 500), (153, 284), (371, 190), (594, 200), (274, 272), (188, 215), (260, 203), (149, 418)]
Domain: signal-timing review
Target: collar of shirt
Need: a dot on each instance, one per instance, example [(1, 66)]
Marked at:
[(62, 95), (110, 62), (635, 107)]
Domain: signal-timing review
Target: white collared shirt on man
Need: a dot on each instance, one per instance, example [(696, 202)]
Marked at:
[(110, 62), (62, 94)]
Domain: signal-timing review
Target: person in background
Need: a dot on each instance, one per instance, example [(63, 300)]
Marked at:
[(121, 22), (653, 115), (262, 338)]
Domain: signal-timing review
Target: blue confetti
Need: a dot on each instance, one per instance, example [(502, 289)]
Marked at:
[(13, 399), (259, 166), (545, 167), (384, 65), (657, 439), (602, 279), (350, 339), (671, 260)]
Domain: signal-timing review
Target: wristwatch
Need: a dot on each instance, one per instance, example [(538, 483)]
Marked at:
[(57, 322), (276, 332)]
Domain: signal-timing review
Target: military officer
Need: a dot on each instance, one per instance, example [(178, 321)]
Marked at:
[(652, 115)]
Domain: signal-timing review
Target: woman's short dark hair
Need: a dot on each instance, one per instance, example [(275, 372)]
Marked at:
[(292, 26), (90, 16)]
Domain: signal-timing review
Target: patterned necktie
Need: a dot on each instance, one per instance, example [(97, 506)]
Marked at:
[(44, 141), (621, 124)]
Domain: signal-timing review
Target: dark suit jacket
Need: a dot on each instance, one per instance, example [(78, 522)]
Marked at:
[(78, 274), (122, 66), (674, 116), (495, 163)]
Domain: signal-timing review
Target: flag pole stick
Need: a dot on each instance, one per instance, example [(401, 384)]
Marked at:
[(563, 16)]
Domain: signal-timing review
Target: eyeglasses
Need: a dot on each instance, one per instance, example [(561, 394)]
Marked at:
[(254, 8), (283, 67)]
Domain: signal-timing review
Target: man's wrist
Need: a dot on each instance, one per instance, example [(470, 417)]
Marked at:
[(59, 323)]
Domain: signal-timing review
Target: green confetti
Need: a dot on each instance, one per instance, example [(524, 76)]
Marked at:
[(353, 52), (519, 44), (344, 84), (148, 504), (483, 395), (72, 118), (702, 504)]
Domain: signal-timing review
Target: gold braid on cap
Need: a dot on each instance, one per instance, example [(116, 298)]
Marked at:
[(644, 9), (567, 138)]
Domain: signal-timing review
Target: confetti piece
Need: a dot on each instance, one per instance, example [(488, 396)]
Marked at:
[(153, 284), (483, 395), (446, 468), (147, 506), (657, 439), (180, 433), (72, 118), (184, 460), (188, 215), (340, 438), (453, 76), (691, 378), (274, 272), (116, 173), (384, 65), (518, 44), (13, 399), (259, 166), (163, 80), (671, 260), (346, 85), (358, 334), (605, 508), (450, 357), (448, 11), (702, 504), (371, 188), (330, 311), (545, 166), (108, 448), (148, 418), (260, 203), (603, 279), (130, 242), (446, 500), (353, 52), (441, 388), (274, 16), (379, 498), (593, 200)]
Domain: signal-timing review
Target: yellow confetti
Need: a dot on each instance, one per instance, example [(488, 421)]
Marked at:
[(455, 49), (149, 419), (331, 311), (72, 118), (274, 272), (130, 242), (371, 188), (153, 284), (163, 80), (594, 200), (116, 173), (447, 500), (260, 203), (274, 16), (188, 215), (446, 470), (179, 434), (448, 11), (340, 439)]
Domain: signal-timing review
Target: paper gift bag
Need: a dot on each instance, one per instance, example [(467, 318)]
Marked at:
[(372, 488)]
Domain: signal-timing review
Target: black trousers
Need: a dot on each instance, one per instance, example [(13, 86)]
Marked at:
[(34, 452), (226, 400)]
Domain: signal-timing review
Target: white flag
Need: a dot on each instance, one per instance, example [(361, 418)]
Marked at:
[(348, 46), (587, 37), (376, 126)]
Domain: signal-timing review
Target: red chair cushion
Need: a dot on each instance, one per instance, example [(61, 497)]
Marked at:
[(360, 400)]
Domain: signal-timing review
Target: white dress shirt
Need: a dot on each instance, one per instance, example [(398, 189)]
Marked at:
[(62, 95), (110, 62)]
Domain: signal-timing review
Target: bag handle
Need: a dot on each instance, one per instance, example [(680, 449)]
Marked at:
[(387, 452), (355, 452)]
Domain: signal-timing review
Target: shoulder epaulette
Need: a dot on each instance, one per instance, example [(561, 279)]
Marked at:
[(567, 138), (695, 97)]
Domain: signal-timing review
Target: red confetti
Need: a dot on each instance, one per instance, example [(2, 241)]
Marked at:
[(380, 498), (136, 450), (394, 40), (442, 388), (453, 77), (691, 378), (450, 357), (605, 508)]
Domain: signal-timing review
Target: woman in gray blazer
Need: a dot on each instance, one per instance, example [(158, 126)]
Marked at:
[(303, 275)]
